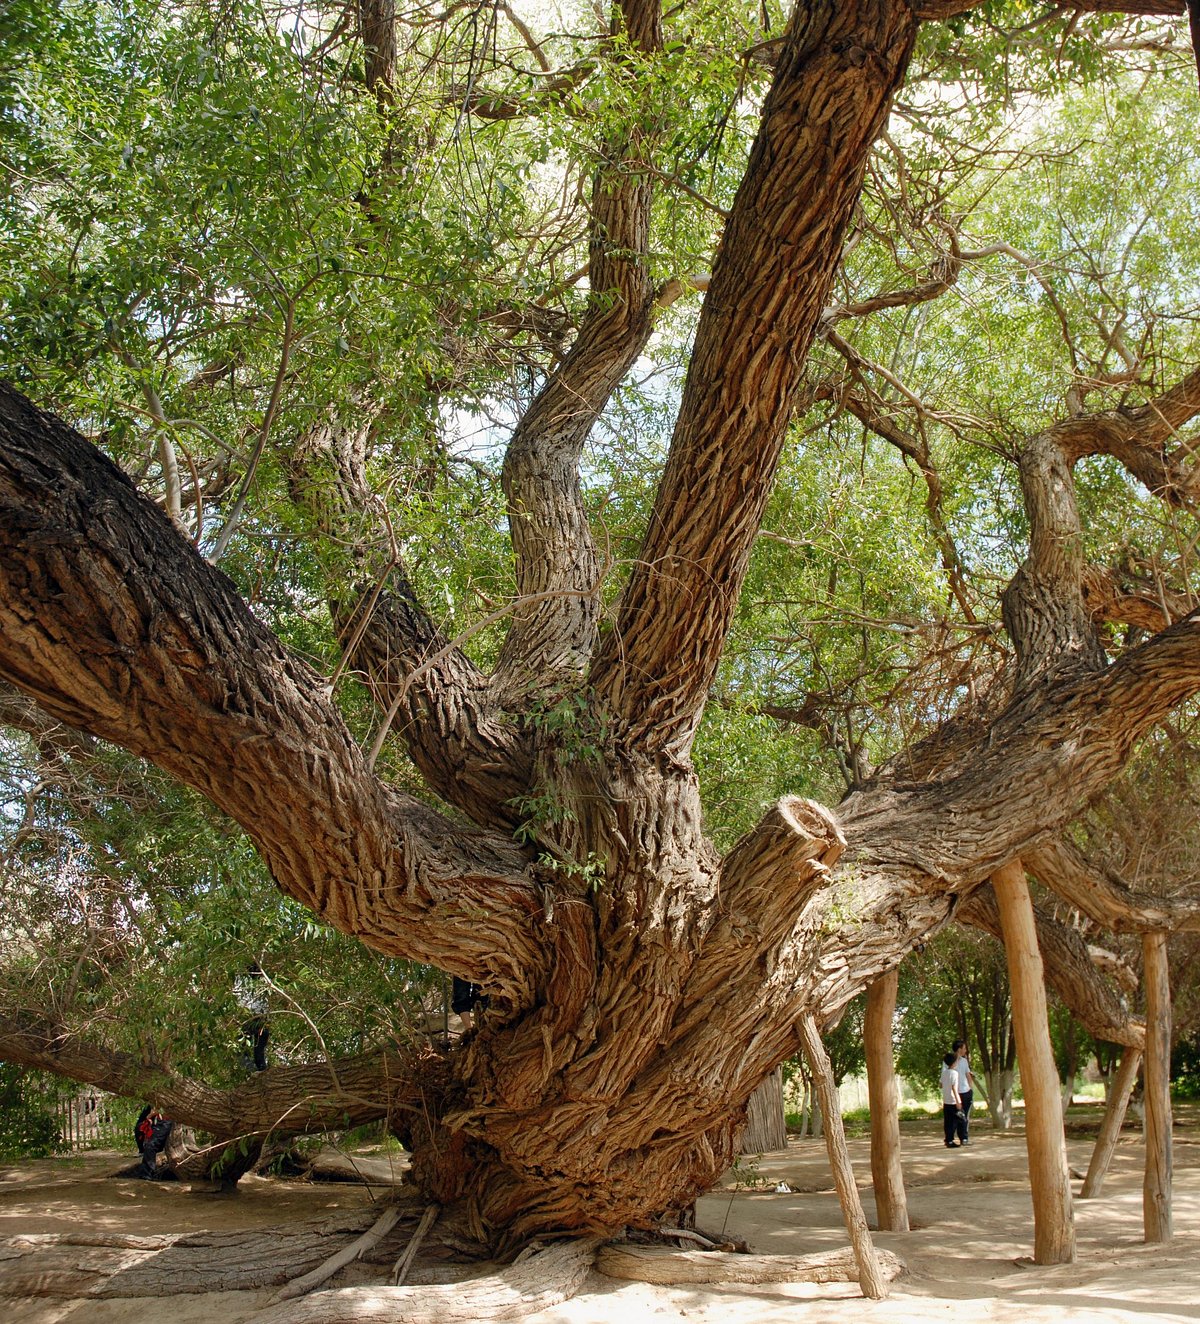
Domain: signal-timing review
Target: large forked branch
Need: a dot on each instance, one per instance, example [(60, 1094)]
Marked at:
[(1070, 970), (557, 569), (114, 624), (1046, 611), (467, 748), (1034, 768), (431, 695), (282, 1101), (1100, 892), (838, 68), (1140, 438)]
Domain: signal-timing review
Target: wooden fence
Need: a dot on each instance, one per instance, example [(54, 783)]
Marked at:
[(90, 1119)]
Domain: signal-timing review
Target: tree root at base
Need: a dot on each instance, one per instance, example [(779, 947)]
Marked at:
[(661, 1266), (545, 1279)]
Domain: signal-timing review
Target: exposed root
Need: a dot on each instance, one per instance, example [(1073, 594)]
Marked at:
[(323, 1272), (688, 1234), (660, 1265), (404, 1263), (546, 1279), (99, 1265)]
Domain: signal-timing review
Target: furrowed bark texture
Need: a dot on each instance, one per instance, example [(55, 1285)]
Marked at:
[(838, 67), (114, 625), (557, 568), (1102, 894), (469, 749)]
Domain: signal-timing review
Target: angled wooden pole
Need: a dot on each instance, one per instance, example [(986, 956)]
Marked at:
[(1156, 1186), (1110, 1128), (870, 1275), (883, 1098), (1049, 1176)]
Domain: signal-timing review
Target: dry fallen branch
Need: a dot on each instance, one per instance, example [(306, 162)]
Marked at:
[(118, 1265)]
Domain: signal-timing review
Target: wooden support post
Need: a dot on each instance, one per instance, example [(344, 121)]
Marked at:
[(870, 1275), (1156, 1187), (1049, 1176), (1110, 1129), (883, 1097)]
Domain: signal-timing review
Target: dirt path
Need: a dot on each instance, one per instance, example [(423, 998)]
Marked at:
[(966, 1255)]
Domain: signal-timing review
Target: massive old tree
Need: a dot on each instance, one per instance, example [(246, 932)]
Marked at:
[(547, 840)]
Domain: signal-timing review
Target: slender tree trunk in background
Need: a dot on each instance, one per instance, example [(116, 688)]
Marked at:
[(1156, 1188), (1072, 1065), (870, 1275), (1120, 1086), (891, 1206), (1049, 1177), (766, 1127), (999, 1085)]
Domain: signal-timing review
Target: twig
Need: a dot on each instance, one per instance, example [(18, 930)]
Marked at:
[(404, 1263)]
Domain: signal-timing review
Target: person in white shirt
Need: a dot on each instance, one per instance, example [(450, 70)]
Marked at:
[(951, 1102), (966, 1090)]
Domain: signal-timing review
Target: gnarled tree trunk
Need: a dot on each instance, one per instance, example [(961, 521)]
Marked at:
[(640, 985)]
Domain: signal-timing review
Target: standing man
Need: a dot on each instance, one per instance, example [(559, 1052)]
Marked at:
[(951, 1107), (966, 1090)]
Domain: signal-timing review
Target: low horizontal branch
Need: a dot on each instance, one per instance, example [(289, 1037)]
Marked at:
[(281, 1101)]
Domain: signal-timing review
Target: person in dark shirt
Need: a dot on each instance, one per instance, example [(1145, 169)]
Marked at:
[(151, 1134)]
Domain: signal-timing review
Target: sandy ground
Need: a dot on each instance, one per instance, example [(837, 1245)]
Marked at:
[(967, 1255)]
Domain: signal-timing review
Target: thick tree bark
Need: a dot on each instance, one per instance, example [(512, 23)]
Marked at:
[(115, 626), (837, 69), (1156, 1187), (1049, 1176), (278, 1102), (557, 568), (1110, 1128), (887, 1176), (1099, 891)]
